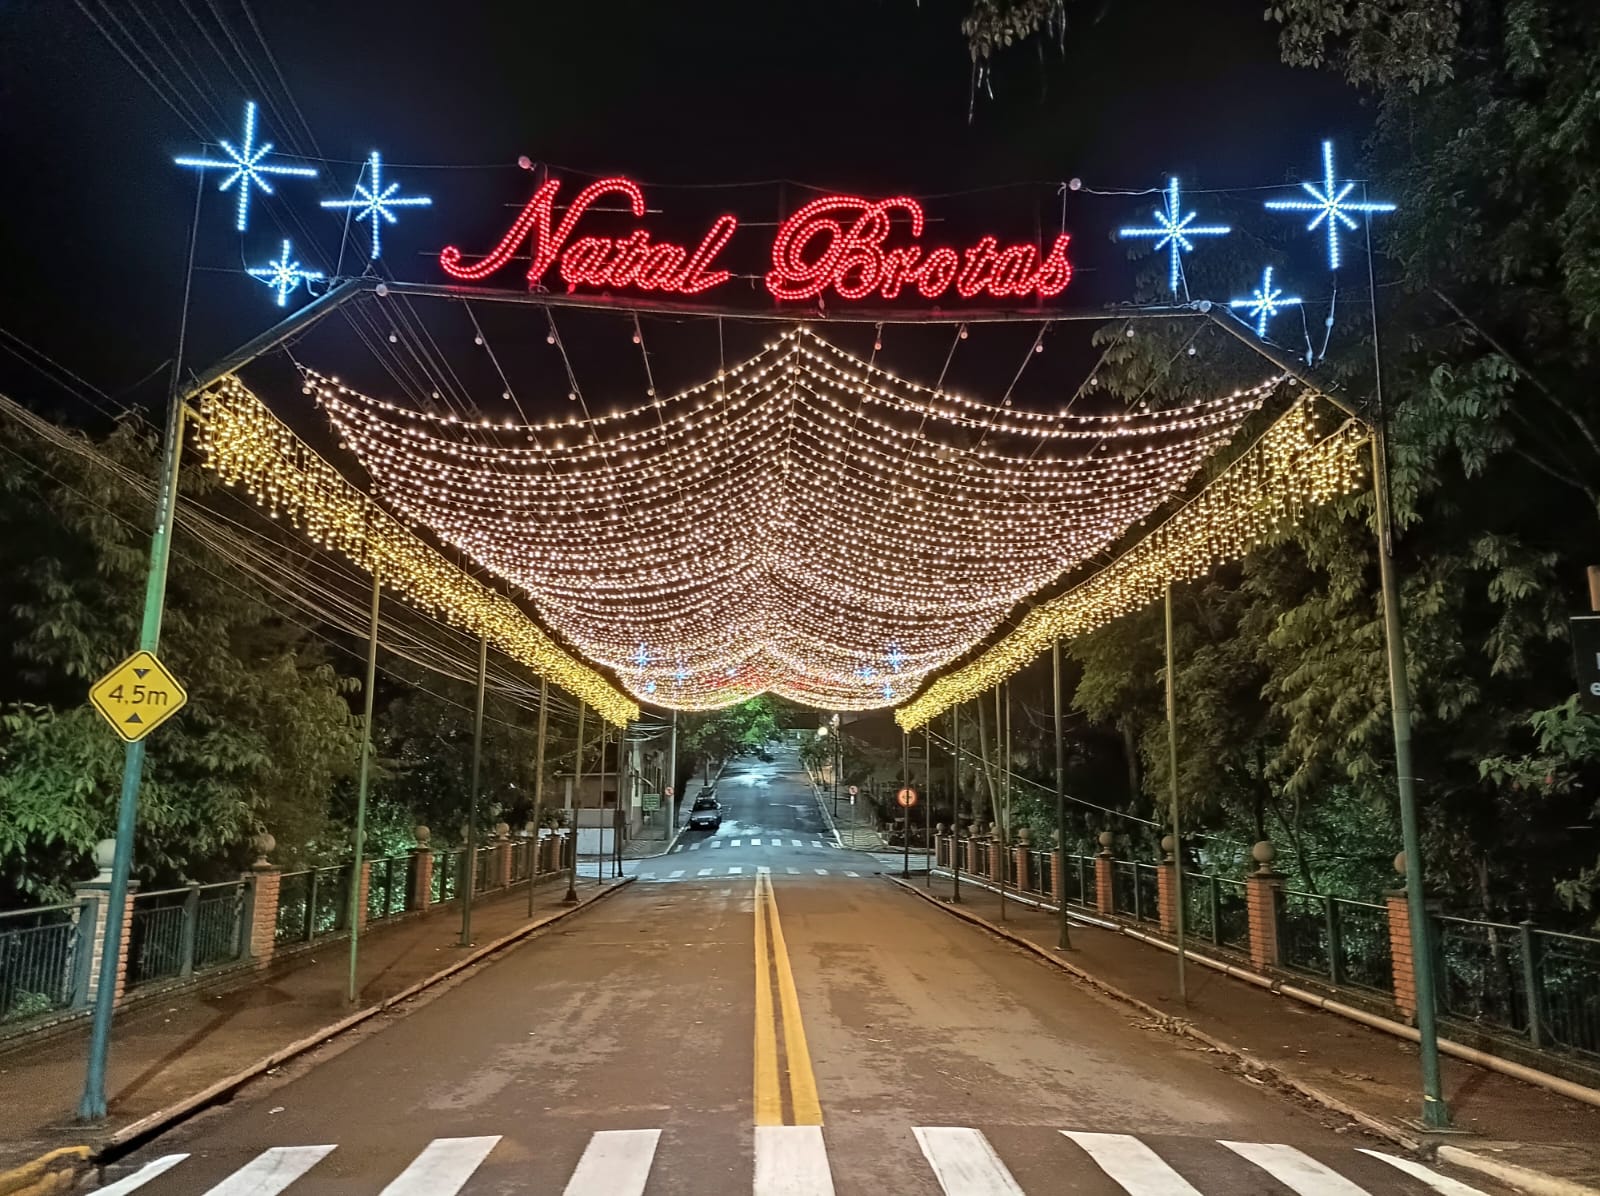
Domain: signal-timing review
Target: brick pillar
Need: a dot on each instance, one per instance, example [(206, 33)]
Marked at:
[(262, 934), (1167, 897), (98, 892), (503, 866), (1021, 854), (362, 889), (1261, 903), (1405, 980), (421, 895), (1104, 895), (972, 855), (997, 860)]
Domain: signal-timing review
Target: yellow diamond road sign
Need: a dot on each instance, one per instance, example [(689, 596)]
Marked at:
[(138, 696)]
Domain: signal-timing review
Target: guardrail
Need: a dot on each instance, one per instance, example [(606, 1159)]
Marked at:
[(312, 903), (1336, 939), (1540, 984), (1216, 911), (44, 959)]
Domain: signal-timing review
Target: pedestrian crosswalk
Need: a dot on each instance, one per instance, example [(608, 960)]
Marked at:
[(715, 843), (795, 1161), (657, 876)]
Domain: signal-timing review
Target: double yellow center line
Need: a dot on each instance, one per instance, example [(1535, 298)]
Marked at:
[(773, 974)]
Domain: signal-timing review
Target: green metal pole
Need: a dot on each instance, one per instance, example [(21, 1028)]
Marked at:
[(538, 787), (905, 810), (1177, 840), (472, 799), (363, 782), (1063, 934), (1435, 1112), (955, 855), (1002, 753), (92, 1104), (672, 780), (927, 799), (577, 796), (600, 852)]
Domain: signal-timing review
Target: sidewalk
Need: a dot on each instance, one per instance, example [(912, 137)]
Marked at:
[(852, 836), (1366, 1070), (167, 1051)]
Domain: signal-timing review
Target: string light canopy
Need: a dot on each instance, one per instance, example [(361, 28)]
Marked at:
[(803, 523), (1290, 468)]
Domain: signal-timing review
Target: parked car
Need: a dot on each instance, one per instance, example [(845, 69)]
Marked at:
[(705, 815)]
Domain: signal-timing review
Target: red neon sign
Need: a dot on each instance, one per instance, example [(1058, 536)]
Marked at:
[(838, 243)]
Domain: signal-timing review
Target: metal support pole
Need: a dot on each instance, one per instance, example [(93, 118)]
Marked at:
[(600, 847), (1177, 840), (838, 763), (1063, 934), (577, 796), (363, 783), (905, 810), (1003, 775), (672, 779), (538, 787), (472, 798), (927, 800), (955, 862), (92, 1105), (1435, 1112)]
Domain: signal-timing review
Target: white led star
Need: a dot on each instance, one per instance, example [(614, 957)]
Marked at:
[(1174, 231), (1330, 205), (246, 166), (374, 201), (1265, 302), (283, 275)]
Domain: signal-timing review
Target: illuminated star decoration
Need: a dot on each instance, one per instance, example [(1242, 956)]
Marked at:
[(1331, 205), (284, 275), (1265, 302), (245, 166), (375, 200), (1173, 231)]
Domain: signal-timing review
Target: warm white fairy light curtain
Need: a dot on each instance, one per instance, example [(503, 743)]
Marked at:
[(804, 523)]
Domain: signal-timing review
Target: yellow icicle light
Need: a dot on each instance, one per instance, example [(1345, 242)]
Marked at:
[(249, 447), (1286, 471)]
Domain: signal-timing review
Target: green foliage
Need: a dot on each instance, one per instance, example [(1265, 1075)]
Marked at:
[(717, 736)]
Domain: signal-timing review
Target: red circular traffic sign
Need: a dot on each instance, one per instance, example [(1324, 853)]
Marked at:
[(906, 796), (853, 791)]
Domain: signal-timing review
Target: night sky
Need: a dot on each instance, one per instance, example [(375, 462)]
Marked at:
[(869, 96)]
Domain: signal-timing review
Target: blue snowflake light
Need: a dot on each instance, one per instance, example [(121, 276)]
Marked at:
[(372, 202), (246, 167), (1265, 302), (641, 656), (896, 658), (284, 275), (888, 691), (1173, 231), (1331, 205)]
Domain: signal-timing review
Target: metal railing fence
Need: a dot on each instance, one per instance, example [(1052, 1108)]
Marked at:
[(1335, 938), (388, 887), (176, 932), (313, 903), (44, 959), (1216, 911)]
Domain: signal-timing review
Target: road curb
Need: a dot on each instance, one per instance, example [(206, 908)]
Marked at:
[(123, 1140), (1537, 1183)]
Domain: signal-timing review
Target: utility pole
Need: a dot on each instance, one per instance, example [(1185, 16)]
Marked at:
[(1177, 836), (672, 779), (472, 800), (927, 800), (1063, 934), (577, 796), (905, 809), (538, 788), (363, 780), (955, 854)]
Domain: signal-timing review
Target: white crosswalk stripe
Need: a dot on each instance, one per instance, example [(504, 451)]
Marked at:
[(615, 1163), (736, 843), (820, 871), (763, 870), (444, 1165), (679, 847), (964, 1163), (1295, 1169), (735, 870), (716, 842), (818, 843), (674, 875), (271, 1171), (857, 875), (1140, 1170), (692, 847), (777, 842), (792, 871), (795, 843), (793, 1161), (130, 1183), (704, 872)]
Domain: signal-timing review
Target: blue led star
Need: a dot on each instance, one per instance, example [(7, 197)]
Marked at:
[(1331, 206), (246, 166), (283, 275), (1173, 232), (641, 656), (1265, 302), (374, 201), (681, 675), (888, 691), (896, 658)]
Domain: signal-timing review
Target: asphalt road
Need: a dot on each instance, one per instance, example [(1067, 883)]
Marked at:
[(765, 1015)]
